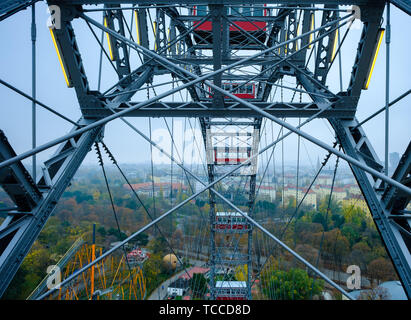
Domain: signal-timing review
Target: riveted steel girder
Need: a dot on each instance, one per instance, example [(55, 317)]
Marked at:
[(372, 20), (20, 229), (119, 50), (16, 180), (356, 144)]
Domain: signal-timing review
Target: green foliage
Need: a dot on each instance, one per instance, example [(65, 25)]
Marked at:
[(334, 206), (265, 206), (114, 232), (141, 239), (354, 215), (321, 218), (154, 272), (158, 246), (80, 196), (352, 232), (102, 231), (291, 285), (32, 270), (338, 220), (198, 285)]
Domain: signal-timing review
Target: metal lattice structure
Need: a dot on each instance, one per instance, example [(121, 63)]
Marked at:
[(230, 57), (229, 144)]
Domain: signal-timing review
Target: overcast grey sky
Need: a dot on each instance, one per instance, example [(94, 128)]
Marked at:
[(15, 68)]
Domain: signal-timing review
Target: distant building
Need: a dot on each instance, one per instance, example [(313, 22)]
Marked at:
[(178, 287), (394, 158), (324, 191), (353, 190), (356, 201), (146, 188), (287, 179), (325, 179), (310, 198), (267, 191), (339, 194)]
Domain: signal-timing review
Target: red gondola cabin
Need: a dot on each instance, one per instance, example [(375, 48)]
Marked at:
[(239, 89), (248, 21), (230, 221)]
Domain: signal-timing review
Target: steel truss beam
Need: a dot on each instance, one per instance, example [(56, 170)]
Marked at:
[(277, 29), (71, 59), (46, 180), (316, 141), (325, 46), (404, 5), (225, 2), (21, 228), (119, 50), (382, 206), (232, 109), (10, 7), (228, 254), (16, 181), (371, 16), (205, 124), (395, 244), (395, 200)]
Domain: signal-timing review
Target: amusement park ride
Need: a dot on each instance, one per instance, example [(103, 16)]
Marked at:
[(230, 57)]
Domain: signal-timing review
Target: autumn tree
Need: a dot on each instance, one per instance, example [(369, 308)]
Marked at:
[(381, 270)]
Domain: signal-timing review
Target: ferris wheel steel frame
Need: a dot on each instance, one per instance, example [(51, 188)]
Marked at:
[(386, 196)]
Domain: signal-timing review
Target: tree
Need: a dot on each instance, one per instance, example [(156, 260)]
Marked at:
[(336, 246), (338, 220), (102, 231), (264, 206), (291, 285), (335, 207), (154, 272), (198, 285), (381, 269), (353, 215), (161, 193), (177, 239), (351, 232), (241, 272), (360, 255), (308, 252), (114, 232), (321, 218), (377, 293), (158, 245)]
